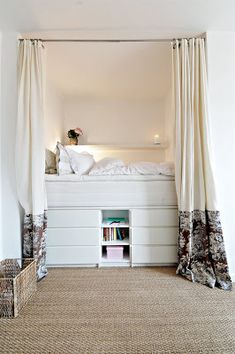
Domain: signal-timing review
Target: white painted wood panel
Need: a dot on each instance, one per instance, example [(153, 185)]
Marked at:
[(154, 217), (73, 218), (154, 236), (73, 255), (154, 254), (73, 237), (111, 194)]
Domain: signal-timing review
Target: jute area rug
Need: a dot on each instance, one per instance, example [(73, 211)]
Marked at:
[(116, 310)]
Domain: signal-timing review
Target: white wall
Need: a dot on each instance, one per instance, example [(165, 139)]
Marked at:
[(221, 75), (53, 116), (10, 210), (115, 121), (169, 126)]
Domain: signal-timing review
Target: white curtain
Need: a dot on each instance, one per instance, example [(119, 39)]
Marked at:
[(30, 150), (201, 253)]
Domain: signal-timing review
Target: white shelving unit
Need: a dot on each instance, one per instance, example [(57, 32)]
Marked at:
[(110, 226)]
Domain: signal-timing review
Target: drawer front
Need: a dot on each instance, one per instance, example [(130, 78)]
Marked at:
[(154, 217), (72, 255), (154, 254), (154, 236), (73, 237), (73, 218)]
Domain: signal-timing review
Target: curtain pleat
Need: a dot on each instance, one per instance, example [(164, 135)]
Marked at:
[(201, 251), (30, 155)]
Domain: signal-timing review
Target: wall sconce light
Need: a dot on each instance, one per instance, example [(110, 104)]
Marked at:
[(156, 139)]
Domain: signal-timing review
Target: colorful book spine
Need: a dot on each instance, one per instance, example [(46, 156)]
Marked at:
[(115, 233), (119, 234)]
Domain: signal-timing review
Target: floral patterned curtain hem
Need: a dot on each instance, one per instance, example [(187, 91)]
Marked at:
[(34, 241), (201, 251)]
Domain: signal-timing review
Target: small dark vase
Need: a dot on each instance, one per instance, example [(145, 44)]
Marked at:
[(73, 141)]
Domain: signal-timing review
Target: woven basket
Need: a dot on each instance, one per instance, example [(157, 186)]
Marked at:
[(17, 284)]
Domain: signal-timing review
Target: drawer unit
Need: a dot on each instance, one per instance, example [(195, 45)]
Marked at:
[(72, 255), (73, 218), (154, 235), (154, 254), (73, 237), (154, 217)]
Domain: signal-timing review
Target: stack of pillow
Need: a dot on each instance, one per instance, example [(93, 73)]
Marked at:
[(66, 161)]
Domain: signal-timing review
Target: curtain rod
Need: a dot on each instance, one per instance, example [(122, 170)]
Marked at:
[(100, 40)]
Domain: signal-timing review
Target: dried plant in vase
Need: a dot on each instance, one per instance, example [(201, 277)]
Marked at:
[(73, 135)]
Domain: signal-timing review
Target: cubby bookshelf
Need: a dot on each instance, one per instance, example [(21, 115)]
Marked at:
[(115, 237)]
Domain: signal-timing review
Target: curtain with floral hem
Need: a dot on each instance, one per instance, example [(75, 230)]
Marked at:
[(30, 151), (34, 241), (201, 250)]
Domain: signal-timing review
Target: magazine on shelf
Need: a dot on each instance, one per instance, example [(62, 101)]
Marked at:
[(115, 221)]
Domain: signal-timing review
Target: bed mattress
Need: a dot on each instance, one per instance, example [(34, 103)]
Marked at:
[(110, 191)]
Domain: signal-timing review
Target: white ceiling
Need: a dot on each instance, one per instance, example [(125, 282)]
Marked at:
[(118, 69), (113, 70), (153, 15)]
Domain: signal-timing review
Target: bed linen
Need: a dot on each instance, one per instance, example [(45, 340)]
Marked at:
[(134, 168)]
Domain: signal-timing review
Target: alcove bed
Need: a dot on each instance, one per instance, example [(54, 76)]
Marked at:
[(120, 95), (124, 106)]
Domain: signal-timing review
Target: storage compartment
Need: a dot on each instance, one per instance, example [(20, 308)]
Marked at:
[(115, 257), (73, 218), (154, 235), (73, 237), (115, 241), (118, 234), (114, 252), (115, 218), (154, 254), (154, 217), (72, 255)]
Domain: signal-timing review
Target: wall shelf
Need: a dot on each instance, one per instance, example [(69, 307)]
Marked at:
[(114, 226), (124, 242), (122, 147)]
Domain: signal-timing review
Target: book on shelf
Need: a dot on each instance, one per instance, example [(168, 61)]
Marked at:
[(119, 234), (114, 234)]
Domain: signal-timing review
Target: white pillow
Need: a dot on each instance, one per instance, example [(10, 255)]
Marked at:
[(62, 160), (167, 168), (106, 164), (81, 163), (144, 168)]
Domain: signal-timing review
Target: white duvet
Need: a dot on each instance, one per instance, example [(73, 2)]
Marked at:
[(117, 167)]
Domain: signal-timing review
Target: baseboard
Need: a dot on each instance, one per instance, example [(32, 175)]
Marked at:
[(233, 277)]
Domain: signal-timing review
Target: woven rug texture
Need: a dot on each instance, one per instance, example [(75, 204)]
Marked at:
[(121, 311)]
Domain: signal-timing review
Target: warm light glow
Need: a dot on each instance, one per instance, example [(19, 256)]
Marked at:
[(156, 139)]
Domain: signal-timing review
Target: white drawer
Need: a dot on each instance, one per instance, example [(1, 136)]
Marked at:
[(73, 237), (154, 217), (154, 254), (154, 236), (72, 255), (73, 218)]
